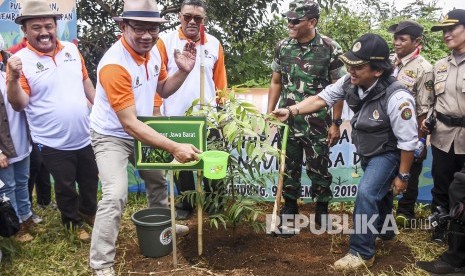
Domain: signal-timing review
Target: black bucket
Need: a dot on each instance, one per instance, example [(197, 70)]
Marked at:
[(153, 228)]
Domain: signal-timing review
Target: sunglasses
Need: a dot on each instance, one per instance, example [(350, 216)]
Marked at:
[(197, 18), (295, 21), (141, 31)]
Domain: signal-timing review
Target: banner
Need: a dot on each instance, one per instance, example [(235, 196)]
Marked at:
[(12, 33)]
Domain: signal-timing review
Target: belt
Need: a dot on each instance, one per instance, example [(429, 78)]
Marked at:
[(451, 121)]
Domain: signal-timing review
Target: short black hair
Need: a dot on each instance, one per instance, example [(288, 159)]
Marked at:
[(196, 3), (386, 66)]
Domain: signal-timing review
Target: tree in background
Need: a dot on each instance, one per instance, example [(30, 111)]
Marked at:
[(250, 29), (234, 22)]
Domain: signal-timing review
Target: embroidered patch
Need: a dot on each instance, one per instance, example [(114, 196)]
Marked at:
[(375, 114), (438, 87), (404, 104), (356, 47), (406, 80), (441, 69), (429, 85), (410, 73), (40, 66), (406, 114)]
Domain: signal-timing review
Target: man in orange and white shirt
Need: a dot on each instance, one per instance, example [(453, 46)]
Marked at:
[(48, 79), (128, 76), (192, 15)]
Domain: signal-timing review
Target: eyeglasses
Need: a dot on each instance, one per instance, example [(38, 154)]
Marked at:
[(295, 21), (153, 30), (188, 17)]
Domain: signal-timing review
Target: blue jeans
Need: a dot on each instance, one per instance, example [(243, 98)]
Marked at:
[(15, 177), (373, 198)]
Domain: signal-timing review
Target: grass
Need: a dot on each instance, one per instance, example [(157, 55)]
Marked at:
[(55, 251)]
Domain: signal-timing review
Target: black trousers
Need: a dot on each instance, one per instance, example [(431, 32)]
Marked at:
[(39, 176), (406, 205), (455, 255), (445, 164), (68, 167)]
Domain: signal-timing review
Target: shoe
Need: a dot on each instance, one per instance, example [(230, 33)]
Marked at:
[(403, 221), (23, 234), (321, 213), (88, 218), (439, 234), (83, 235), (109, 271), (351, 262), (51, 205), (183, 214), (287, 230), (36, 219), (386, 238), (440, 267), (181, 230)]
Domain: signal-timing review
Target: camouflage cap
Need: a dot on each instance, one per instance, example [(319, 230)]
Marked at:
[(301, 8)]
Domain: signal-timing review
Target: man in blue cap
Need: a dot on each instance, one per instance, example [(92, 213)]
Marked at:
[(384, 132)]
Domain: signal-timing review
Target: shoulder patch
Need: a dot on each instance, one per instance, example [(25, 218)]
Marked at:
[(441, 69), (404, 104), (429, 85), (406, 114)]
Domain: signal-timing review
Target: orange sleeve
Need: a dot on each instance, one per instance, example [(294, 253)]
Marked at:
[(23, 81), (117, 84), (85, 74), (162, 49), (163, 72), (158, 100), (219, 71)]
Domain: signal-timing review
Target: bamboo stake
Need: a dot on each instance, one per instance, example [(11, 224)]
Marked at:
[(199, 172), (173, 220), (282, 165)]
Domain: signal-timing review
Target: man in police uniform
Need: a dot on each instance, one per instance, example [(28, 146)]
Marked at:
[(448, 137), (384, 132), (303, 65), (416, 73)]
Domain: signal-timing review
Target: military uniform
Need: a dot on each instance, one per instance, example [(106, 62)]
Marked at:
[(416, 73), (305, 71)]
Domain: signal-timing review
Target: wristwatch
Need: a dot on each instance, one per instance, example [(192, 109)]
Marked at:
[(404, 176), (337, 122)]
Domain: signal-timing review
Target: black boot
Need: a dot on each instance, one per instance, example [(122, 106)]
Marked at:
[(321, 213), (440, 233), (452, 261), (455, 255), (290, 208)]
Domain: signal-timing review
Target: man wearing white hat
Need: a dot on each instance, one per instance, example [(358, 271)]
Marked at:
[(127, 77), (48, 79)]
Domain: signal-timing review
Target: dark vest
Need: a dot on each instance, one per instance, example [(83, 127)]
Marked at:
[(371, 127)]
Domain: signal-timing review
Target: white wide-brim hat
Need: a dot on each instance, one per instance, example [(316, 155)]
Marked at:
[(36, 9), (140, 10)]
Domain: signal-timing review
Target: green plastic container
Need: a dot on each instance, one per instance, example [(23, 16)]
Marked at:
[(153, 227), (215, 164)]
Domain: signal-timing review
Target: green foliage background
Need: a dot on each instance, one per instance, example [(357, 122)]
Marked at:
[(250, 29)]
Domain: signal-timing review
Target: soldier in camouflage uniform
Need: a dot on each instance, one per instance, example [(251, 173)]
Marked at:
[(303, 65)]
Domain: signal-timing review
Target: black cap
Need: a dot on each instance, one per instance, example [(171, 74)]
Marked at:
[(452, 18), (406, 27), (367, 48)]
